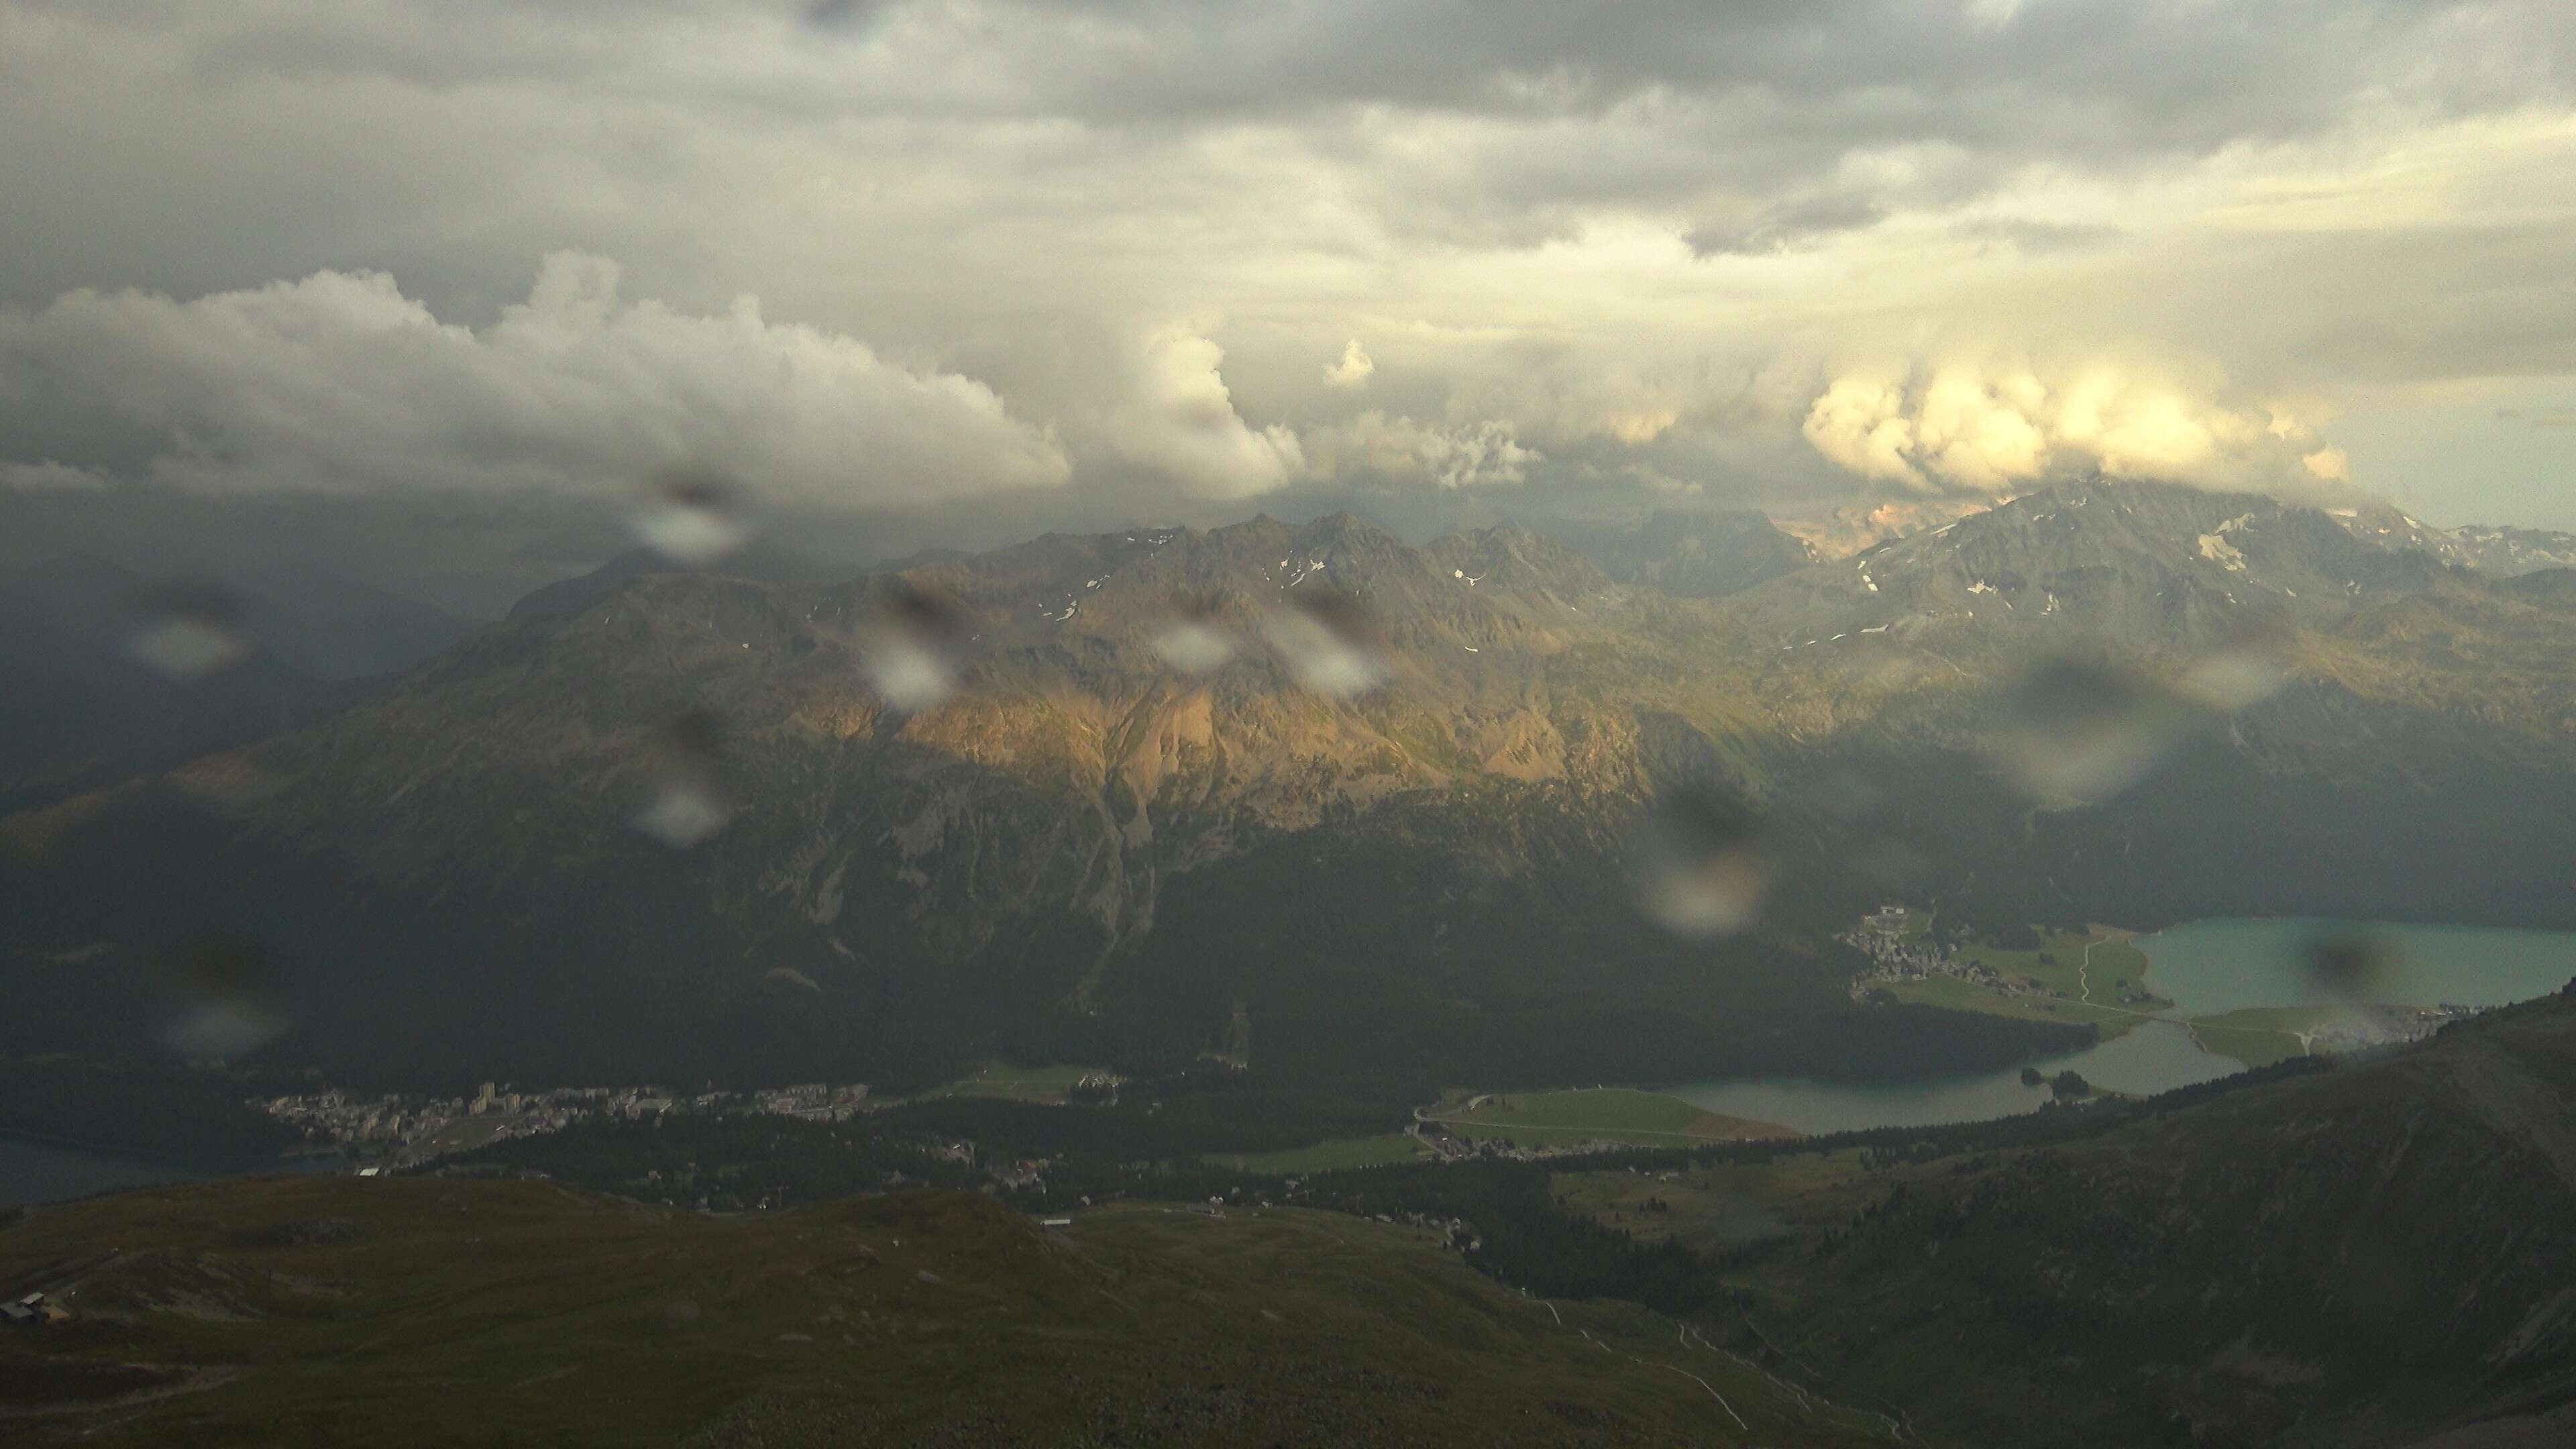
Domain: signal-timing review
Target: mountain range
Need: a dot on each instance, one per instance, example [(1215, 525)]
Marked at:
[(1313, 796)]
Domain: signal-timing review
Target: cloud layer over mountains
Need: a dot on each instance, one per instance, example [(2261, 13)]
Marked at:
[(1962, 426), (340, 383), (1137, 250)]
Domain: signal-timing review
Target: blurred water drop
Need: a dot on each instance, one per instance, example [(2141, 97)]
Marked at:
[(688, 800), (683, 812), (185, 632), (1194, 643), (1703, 863), (2235, 676), (224, 1030), (227, 996), (2070, 731), (912, 644), (2345, 966), (835, 14), (694, 519), (1330, 644), (2232, 681)]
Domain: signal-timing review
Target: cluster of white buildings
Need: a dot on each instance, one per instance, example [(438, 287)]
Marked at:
[(1895, 956), (2361, 1030), (814, 1101), (411, 1126)]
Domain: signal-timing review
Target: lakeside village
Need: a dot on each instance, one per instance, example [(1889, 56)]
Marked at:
[(1900, 949), (384, 1133), (402, 1131)]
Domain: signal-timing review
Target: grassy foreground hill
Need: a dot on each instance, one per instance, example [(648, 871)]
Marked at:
[(440, 1312)]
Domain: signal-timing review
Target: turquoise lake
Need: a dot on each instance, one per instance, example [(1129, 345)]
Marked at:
[(2207, 967), (2203, 967)]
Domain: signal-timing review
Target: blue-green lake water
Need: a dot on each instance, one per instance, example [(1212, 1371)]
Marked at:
[(2204, 967), (2207, 967)]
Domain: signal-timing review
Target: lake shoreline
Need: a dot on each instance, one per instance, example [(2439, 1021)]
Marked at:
[(36, 1171), (2212, 968)]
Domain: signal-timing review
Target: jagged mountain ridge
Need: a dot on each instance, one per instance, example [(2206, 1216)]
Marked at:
[(912, 871), (1078, 839), (2506, 552), (2155, 568)]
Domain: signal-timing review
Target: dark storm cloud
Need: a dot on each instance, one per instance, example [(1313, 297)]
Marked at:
[(2077, 78), (1060, 257)]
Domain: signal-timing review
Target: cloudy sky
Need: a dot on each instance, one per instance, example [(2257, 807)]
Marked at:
[(1079, 260)]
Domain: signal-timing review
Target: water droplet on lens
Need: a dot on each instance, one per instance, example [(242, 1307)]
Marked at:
[(688, 801), (912, 645), (694, 519), (226, 988), (1329, 643), (2345, 966), (2240, 673), (2232, 681), (1193, 642), (1703, 864), (1194, 648), (2079, 732), (185, 632), (684, 812)]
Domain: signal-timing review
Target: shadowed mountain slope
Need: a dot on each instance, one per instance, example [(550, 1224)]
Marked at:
[(2370, 1254), (1391, 816)]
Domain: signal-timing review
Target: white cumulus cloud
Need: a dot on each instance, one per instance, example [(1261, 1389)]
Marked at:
[(1176, 416), (1964, 426), (341, 383), (1353, 371)]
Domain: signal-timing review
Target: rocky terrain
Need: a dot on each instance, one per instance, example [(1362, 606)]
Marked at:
[(1109, 797)]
